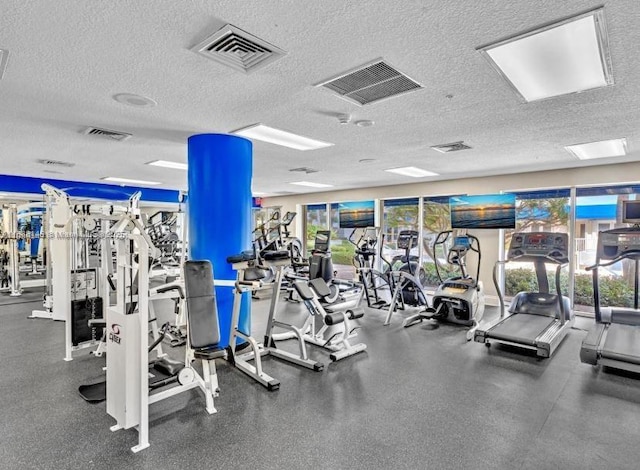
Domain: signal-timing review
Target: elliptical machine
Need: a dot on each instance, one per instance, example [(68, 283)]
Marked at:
[(375, 283), (408, 279), (458, 299)]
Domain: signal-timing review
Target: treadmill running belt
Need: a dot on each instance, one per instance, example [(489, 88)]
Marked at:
[(521, 328), (622, 343)]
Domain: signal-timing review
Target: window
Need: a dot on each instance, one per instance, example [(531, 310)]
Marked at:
[(398, 215), (547, 211), (436, 218), (597, 209), (316, 219), (342, 250)]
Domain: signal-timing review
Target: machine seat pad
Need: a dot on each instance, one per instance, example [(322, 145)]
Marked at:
[(247, 255), (622, 343), (212, 352), (168, 366), (320, 287), (302, 288), (275, 255)]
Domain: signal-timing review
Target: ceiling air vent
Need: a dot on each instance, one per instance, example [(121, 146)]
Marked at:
[(115, 135), (304, 169), (238, 49), (55, 163), (452, 147), (370, 82)]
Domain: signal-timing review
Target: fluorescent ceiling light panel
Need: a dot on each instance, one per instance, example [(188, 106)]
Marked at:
[(280, 137), (412, 171), (601, 149), (168, 164), (312, 185), (115, 179), (568, 56)]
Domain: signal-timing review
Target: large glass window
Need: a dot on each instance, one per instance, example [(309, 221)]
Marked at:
[(436, 218), (316, 219), (398, 215), (598, 209), (546, 211), (342, 250)]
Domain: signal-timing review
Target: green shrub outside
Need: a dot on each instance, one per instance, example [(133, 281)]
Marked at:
[(343, 253), (613, 291)]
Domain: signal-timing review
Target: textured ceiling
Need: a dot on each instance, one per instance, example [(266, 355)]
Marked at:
[(68, 58)]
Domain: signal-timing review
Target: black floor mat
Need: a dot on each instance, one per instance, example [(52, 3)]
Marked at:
[(94, 393)]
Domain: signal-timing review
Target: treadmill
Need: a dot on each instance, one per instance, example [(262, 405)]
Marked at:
[(614, 340), (537, 321)]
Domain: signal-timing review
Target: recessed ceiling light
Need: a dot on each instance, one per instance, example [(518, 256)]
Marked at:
[(601, 149), (116, 179), (168, 164), (365, 123), (4, 57), (411, 171), (568, 56), (367, 160), (132, 99), (280, 137), (312, 185)]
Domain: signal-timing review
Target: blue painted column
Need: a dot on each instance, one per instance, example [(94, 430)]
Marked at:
[(219, 178)]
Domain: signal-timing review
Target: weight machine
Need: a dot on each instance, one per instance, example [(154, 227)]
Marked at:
[(132, 383)]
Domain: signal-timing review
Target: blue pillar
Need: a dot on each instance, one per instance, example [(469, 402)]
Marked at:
[(219, 178)]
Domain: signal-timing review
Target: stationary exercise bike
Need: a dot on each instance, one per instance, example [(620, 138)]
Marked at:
[(407, 280), (458, 299)]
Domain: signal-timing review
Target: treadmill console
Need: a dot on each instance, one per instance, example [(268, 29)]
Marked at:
[(534, 246), (619, 243)]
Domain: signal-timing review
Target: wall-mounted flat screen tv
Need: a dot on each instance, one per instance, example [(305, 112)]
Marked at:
[(356, 214), (485, 211)]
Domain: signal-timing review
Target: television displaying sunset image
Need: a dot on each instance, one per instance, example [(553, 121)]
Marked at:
[(485, 211), (356, 214)]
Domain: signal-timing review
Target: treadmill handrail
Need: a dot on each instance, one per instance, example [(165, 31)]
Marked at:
[(623, 256), (495, 283)]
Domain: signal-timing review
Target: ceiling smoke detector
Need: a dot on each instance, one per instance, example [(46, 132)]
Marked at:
[(98, 132), (371, 82), (238, 49), (132, 99), (452, 147)]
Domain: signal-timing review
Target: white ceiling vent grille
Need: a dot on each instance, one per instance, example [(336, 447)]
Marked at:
[(55, 163), (370, 82), (452, 147), (98, 132), (238, 49), (304, 169)]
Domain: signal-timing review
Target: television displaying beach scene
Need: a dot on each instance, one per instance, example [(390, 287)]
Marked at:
[(356, 214), (486, 211)]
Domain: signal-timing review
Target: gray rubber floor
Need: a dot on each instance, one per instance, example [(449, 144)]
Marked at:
[(418, 398)]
